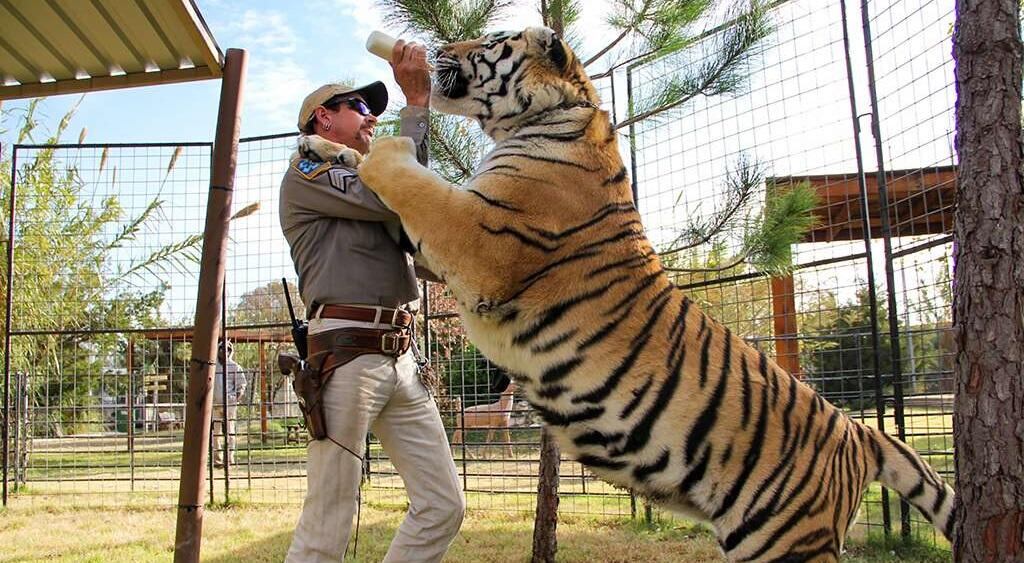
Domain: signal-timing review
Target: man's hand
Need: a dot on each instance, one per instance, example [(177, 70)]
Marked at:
[(409, 63)]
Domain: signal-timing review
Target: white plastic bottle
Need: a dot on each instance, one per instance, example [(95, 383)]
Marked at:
[(380, 44)]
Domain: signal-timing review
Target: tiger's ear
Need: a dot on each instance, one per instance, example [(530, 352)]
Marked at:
[(557, 53)]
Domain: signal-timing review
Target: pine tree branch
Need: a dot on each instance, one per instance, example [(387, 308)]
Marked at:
[(447, 21), (742, 35), (736, 261), (622, 63), (451, 155), (704, 85), (741, 185), (608, 47)]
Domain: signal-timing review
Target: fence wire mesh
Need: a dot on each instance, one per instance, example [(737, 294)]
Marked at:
[(104, 278)]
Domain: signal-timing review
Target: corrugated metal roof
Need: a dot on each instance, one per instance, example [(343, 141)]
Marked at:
[(50, 47)]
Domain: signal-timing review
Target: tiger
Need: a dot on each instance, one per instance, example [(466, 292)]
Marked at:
[(556, 281)]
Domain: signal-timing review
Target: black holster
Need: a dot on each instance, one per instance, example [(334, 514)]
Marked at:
[(309, 382)]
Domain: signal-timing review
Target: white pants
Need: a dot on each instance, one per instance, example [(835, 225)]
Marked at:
[(383, 394), (219, 431)]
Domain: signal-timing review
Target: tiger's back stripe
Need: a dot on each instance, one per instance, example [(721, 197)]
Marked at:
[(705, 359), (797, 514), (551, 160), (745, 377), (787, 414), (555, 418), (636, 348), (555, 342), (626, 263), (606, 330), (696, 472), (638, 396), (640, 434), (596, 438), (554, 314), (684, 309), (643, 471), (528, 283), (612, 381), (533, 243), (750, 460), (632, 230), (706, 421), (599, 217), (763, 516), (642, 285), (560, 370), (600, 462), (495, 202), (618, 177)]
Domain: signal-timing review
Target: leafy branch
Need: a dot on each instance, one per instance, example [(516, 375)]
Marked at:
[(721, 70), (445, 21), (766, 236)]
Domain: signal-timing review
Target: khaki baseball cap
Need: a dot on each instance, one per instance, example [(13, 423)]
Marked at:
[(375, 94)]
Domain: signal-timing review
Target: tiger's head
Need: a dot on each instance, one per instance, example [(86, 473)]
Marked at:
[(502, 79)]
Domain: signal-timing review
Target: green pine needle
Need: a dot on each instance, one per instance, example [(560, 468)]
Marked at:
[(444, 21), (787, 218)]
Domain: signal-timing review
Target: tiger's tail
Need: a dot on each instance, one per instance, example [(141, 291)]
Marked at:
[(901, 468)]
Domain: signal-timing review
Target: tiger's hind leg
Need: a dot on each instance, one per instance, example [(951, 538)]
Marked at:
[(800, 535)]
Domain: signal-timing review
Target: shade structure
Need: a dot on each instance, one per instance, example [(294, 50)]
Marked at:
[(51, 47)]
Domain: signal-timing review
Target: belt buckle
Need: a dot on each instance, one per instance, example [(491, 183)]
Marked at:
[(387, 337)]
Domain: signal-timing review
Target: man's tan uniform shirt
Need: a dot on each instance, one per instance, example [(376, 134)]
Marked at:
[(344, 241)]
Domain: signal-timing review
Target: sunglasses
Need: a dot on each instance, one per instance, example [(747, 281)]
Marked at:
[(356, 104)]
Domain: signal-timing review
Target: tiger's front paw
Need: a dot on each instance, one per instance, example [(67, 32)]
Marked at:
[(387, 156), (315, 147)]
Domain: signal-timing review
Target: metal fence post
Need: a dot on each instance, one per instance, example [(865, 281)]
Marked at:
[(870, 270), (632, 139), (130, 403), (890, 279)]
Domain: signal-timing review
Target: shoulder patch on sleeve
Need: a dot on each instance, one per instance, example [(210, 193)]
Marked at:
[(341, 178), (310, 169)]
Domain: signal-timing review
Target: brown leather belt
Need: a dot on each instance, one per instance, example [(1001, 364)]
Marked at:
[(394, 317), (345, 344)]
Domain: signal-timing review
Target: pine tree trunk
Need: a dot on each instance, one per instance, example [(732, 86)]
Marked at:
[(545, 540), (988, 303)]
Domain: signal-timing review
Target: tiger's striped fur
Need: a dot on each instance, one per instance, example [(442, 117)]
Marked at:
[(556, 281)]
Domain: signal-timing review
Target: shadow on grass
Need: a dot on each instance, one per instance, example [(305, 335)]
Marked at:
[(510, 541)]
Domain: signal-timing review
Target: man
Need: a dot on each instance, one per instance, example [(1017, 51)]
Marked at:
[(228, 392), (356, 278)]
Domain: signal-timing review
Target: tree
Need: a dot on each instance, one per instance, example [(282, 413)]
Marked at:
[(265, 304), (72, 277), (988, 295)]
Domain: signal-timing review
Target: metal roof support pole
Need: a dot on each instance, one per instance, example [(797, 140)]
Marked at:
[(199, 398), (7, 324)]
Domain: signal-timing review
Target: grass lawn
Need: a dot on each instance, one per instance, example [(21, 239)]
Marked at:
[(57, 517), (40, 530)]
